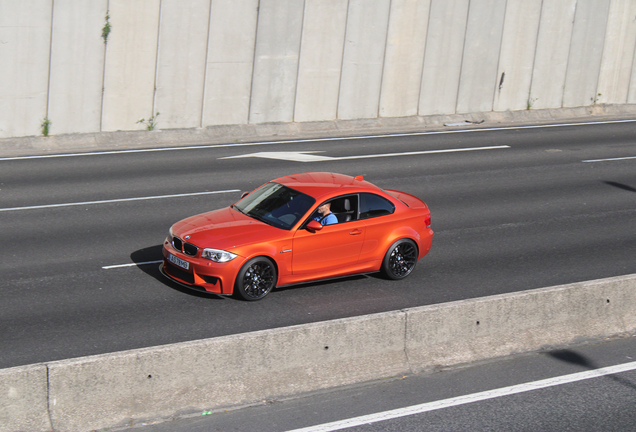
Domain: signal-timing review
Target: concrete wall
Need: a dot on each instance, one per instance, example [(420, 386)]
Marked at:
[(514, 75), (25, 43), (443, 59), (130, 67), (404, 62), (201, 63), (77, 66), (24, 399), (229, 63), (181, 62), (616, 66), (125, 388), (586, 52), (320, 65), (364, 47), (482, 46)]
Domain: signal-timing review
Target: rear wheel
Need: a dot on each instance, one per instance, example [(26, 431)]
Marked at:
[(256, 279), (400, 259)]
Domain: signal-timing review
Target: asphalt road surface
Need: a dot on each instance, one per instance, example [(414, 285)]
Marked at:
[(513, 209)]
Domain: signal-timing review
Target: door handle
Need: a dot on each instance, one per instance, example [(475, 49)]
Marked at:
[(355, 232)]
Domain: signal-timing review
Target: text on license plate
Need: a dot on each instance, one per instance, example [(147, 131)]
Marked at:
[(178, 261)]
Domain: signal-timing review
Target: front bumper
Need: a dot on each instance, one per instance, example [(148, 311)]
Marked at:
[(217, 278)]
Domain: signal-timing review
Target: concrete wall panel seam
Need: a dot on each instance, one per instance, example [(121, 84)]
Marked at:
[(597, 94), (632, 80), (154, 85), (342, 61), (386, 43), (567, 67), (300, 54), (48, 85), (631, 89), (534, 59), (407, 322), (258, 21), (428, 27), (463, 57), (101, 105), (205, 69), (499, 81), (48, 398)]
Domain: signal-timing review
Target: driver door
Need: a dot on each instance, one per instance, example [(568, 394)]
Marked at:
[(334, 247)]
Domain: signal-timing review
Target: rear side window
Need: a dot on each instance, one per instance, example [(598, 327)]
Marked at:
[(372, 205)]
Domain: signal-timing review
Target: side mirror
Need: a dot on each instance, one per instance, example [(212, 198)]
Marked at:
[(314, 226), (244, 194)]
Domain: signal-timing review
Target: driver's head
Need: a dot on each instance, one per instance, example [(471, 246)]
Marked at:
[(325, 209)]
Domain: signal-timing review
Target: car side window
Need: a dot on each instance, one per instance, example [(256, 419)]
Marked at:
[(372, 205), (345, 208)]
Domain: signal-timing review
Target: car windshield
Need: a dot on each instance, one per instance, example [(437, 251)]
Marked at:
[(276, 205)]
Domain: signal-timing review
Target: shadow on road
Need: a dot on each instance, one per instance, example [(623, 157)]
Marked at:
[(620, 186), (148, 260), (572, 357)]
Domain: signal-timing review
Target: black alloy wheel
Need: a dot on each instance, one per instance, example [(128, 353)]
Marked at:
[(400, 259), (256, 279)]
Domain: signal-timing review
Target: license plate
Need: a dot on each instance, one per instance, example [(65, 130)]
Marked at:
[(178, 261)]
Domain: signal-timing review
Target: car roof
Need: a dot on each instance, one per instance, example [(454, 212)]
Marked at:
[(320, 184)]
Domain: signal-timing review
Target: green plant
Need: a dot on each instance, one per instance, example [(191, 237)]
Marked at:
[(151, 123), (107, 28), (46, 125), (531, 102)]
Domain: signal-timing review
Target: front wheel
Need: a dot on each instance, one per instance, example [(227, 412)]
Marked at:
[(256, 279), (399, 261)]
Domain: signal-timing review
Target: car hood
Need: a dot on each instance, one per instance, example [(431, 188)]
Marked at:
[(224, 229)]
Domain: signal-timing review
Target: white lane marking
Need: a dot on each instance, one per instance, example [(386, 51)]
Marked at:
[(306, 157), (610, 159), (462, 400), (130, 264), (209, 146), (45, 206)]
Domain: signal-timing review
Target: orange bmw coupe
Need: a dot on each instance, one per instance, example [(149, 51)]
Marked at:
[(299, 228)]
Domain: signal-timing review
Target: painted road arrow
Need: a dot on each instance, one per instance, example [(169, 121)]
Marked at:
[(290, 156), (309, 156)]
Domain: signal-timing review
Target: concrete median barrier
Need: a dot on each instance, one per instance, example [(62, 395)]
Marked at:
[(129, 387), (24, 399), (503, 325), (121, 388)]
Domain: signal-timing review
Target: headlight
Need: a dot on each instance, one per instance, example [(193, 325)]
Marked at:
[(217, 255)]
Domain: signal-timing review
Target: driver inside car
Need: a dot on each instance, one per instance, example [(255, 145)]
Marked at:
[(325, 217)]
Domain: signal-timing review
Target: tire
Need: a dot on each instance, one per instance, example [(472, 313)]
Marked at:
[(400, 260), (256, 279)]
